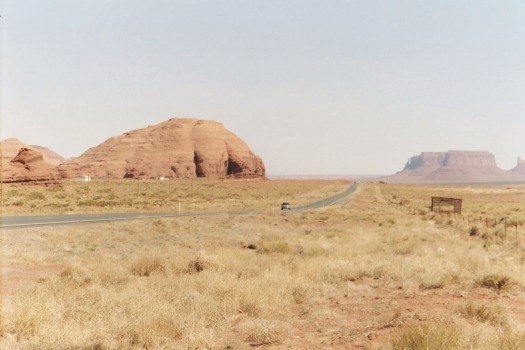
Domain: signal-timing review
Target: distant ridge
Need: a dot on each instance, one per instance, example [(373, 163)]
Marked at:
[(320, 177), (455, 166)]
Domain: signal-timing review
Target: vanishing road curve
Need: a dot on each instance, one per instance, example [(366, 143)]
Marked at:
[(42, 220)]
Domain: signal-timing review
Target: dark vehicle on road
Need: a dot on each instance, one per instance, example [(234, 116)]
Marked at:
[(286, 206)]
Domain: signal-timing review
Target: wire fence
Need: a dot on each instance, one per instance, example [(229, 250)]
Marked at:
[(508, 225)]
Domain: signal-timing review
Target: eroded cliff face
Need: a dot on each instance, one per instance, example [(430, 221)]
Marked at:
[(28, 166), (464, 159), (425, 163), (518, 171), (177, 148), (469, 166), (452, 166), (520, 165), (9, 148)]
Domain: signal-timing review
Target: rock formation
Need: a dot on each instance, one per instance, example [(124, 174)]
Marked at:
[(425, 163), (469, 166), (9, 148), (518, 172), (28, 166), (453, 166), (178, 148), (50, 156)]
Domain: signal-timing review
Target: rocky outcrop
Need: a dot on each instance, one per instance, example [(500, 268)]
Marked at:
[(181, 148), (424, 164), (9, 148), (465, 166), (50, 156), (28, 166), (452, 166), (518, 172)]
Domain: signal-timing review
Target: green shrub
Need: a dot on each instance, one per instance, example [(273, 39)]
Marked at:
[(35, 195), (13, 192), (475, 230), (274, 245)]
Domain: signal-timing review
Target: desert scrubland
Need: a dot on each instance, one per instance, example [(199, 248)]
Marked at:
[(379, 272)]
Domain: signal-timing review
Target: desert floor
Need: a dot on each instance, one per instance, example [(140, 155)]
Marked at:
[(379, 272)]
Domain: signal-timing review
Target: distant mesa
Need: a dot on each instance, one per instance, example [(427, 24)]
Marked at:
[(191, 148), (519, 169), (456, 166), (176, 148)]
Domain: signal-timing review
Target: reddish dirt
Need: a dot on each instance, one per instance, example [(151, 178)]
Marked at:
[(17, 277), (368, 313)]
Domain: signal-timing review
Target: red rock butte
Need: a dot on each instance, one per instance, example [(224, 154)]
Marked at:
[(10, 148), (176, 148), (28, 166)]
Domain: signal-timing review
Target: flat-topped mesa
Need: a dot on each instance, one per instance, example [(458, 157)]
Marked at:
[(176, 148), (481, 159), (464, 166), (453, 166), (425, 163)]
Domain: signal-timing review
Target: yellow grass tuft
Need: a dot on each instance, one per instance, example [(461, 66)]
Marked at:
[(496, 315), (201, 262), (265, 332), (498, 282), (274, 244), (429, 336), (147, 264)]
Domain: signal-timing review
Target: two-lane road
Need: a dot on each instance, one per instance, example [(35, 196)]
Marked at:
[(42, 220), (337, 199), (37, 220)]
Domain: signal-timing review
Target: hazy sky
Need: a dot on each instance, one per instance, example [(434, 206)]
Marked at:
[(313, 87)]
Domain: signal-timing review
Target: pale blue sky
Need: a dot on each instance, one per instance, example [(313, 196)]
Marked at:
[(313, 87)]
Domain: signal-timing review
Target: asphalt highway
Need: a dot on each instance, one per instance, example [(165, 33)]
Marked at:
[(338, 199), (43, 220)]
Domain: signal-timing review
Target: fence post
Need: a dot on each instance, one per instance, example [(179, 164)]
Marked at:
[(505, 228)]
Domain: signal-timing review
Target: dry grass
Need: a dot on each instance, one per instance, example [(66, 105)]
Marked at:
[(431, 336), (151, 195), (496, 315), (340, 277), (265, 332)]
